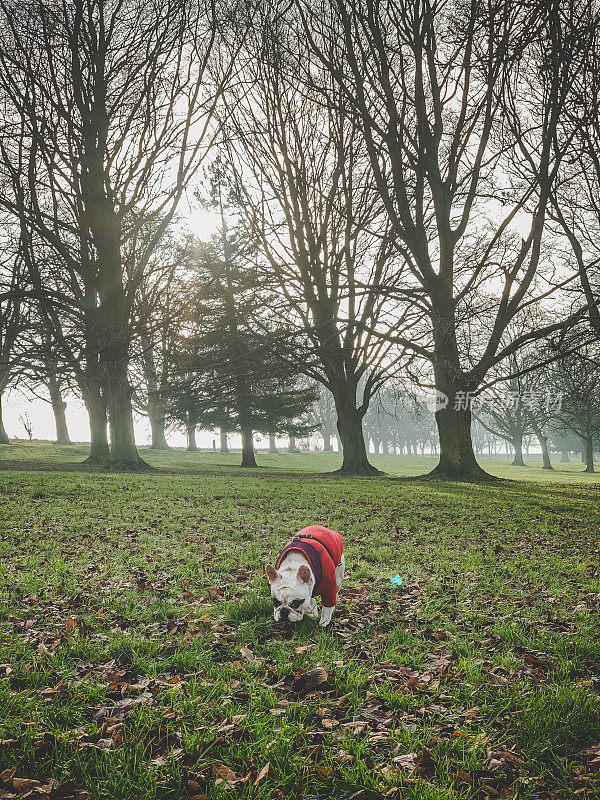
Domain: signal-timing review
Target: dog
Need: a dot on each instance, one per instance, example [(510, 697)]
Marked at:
[(310, 565)]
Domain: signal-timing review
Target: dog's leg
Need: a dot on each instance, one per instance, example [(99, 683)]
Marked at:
[(339, 571), (312, 611), (326, 615)]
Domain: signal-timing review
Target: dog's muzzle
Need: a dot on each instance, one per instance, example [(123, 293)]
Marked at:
[(285, 614)]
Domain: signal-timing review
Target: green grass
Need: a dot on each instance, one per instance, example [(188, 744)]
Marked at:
[(45, 454), (125, 600)]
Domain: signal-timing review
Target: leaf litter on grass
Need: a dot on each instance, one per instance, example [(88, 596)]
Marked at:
[(445, 718), (390, 685)]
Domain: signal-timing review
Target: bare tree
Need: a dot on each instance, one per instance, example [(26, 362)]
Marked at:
[(319, 223), (576, 197), (108, 116), (44, 373), (160, 303), (459, 108), (14, 316), (577, 375), (27, 424)]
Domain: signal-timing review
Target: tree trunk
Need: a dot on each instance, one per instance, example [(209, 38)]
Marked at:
[(224, 445), (517, 443), (457, 459), (248, 458), (564, 457), (339, 443), (589, 454), (355, 460), (3, 435), (327, 446), (292, 445), (453, 414), (190, 431), (543, 440), (90, 382), (96, 408), (157, 427), (112, 323), (59, 408), (272, 444), (123, 451), (156, 411)]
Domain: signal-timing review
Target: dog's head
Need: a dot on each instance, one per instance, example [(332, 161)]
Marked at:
[(291, 592)]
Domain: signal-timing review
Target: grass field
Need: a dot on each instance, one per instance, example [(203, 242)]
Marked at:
[(140, 659)]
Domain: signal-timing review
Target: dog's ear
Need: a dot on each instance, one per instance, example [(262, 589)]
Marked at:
[(272, 573), (303, 574)]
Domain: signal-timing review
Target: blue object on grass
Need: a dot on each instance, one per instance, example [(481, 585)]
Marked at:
[(396, 580)]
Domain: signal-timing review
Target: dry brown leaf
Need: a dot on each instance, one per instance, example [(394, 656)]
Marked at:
[(328, 724), (406, 761), (322, 772), (262, 774), (592, 752), (23, 785), (310, 680), (227, 775)]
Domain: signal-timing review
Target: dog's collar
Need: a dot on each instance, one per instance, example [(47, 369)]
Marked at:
[(311, 552)]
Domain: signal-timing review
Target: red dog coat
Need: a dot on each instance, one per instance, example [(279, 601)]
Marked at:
[(324, 549)]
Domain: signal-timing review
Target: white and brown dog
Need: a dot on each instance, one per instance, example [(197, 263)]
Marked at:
[(310, 565)]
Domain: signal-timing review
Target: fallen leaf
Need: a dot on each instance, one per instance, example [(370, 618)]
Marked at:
[(592, 752), (406, 761), (262, 774), (424, 764), (227, 775), (308, 681), (329, 723), (23, 785), (322, 772)]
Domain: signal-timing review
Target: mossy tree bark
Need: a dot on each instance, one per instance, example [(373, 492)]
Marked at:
[(355, 460), (248, 456)]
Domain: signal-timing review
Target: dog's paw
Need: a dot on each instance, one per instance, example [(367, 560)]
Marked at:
[(324, 622)]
